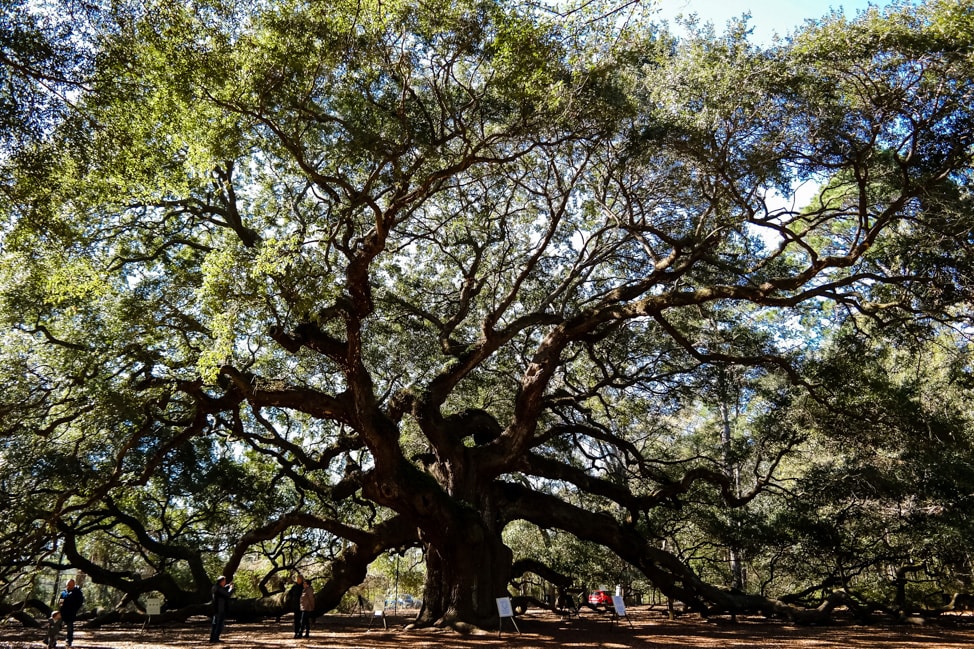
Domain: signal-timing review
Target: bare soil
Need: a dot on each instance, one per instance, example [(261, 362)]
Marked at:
[(538, 630)]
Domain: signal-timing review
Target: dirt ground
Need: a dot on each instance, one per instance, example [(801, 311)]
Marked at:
[(538, 630)]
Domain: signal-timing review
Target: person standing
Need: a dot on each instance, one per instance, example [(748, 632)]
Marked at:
[(71, 601), (307, 608), (221, 602), (294, 602), (53, 629)]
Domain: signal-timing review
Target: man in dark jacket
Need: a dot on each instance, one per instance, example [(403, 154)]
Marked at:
[(221, 602), (71, 600), (294, 602)]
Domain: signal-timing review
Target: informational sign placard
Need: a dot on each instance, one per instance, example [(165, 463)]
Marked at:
[(504, 608), (619, 605), (153, 605), (379, 612)]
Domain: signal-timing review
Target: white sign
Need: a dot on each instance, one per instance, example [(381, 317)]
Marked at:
[(153, 605), (619, 605), (504, 608)]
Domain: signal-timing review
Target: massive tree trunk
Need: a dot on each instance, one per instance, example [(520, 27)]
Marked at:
[(453, 506), (467, 567)]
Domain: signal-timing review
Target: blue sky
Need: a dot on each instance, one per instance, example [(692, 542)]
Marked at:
[(767, 16)]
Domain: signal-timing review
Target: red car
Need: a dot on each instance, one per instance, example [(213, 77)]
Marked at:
[(600, 597)]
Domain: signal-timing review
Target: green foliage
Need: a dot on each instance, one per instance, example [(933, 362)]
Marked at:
[(398, 572), (253, 280), (41, 63)]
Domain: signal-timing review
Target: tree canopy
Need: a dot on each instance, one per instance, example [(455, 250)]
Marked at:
[(297, 284)]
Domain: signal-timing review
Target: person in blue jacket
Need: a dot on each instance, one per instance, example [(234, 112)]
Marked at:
[(71, 601)]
